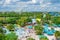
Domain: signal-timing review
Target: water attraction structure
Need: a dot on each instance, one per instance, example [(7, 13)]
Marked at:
[(30, 26)]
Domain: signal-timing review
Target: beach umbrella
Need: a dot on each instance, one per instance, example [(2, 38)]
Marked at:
[(38, 19)]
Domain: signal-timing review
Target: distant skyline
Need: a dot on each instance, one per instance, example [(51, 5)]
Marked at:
[(30, 5)]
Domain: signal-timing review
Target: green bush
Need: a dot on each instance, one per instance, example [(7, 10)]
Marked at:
[(30, 39), (10, 27), (44, 38), (11, 36), (2, 36)]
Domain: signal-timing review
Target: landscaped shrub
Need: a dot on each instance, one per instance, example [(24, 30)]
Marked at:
[(44, 38), (30, 39)]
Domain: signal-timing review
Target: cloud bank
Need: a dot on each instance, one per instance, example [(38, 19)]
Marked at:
[(30, 5)]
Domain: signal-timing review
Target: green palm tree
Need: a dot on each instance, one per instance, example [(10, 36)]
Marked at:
[(39, 30), (10, 27), (57, 34)]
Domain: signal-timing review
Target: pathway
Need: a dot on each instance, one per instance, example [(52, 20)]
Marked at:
[(50, 37)]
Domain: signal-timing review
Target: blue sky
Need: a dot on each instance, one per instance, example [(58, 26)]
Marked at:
[(30, 5)]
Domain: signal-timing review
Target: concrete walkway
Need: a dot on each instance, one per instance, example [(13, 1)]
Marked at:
[(50, 37), (34, 36)]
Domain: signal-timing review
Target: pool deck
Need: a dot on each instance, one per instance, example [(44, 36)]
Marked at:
[(33, 35), (50, 37)]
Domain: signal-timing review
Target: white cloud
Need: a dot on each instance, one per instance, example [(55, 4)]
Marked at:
[(49, 3), (41, 1), (47, 6), (55, 7), (15, 0), (7, 1), (34, 1)]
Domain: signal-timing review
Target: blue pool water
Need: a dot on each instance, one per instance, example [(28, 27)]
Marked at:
[(47, 30), (30, 27)]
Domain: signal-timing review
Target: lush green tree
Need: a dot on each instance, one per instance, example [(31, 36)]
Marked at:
[(11, 36), (2, 36), (11, 20), (21, 21), (56, 20), (1, 30), (7, 20), (57, 34), (47, 18), (39, 30), (10, 27), (1, 24), (28, 20)]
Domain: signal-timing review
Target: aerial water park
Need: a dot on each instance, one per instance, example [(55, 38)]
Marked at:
[(30, 26)]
